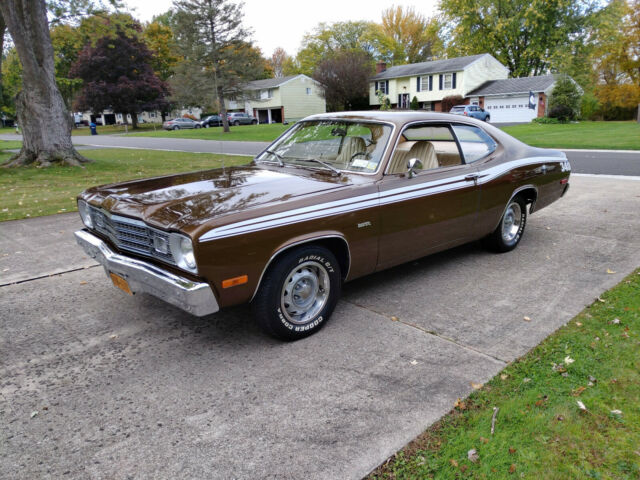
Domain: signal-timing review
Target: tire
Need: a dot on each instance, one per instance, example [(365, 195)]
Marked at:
[(509, 231), (236, 123), (176, 128), (314, 272), (254, 122), (206, 125), (487, 119), (197, 127)]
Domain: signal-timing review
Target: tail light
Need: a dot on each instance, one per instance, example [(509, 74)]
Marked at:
[(465, 113)]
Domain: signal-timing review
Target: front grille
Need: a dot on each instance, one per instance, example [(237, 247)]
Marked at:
[(132, 235)]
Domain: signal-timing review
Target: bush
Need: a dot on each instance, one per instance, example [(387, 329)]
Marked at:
[(545, 120), (451, 101), (589, 107), (564, 102), (414, 103), (562, 112)]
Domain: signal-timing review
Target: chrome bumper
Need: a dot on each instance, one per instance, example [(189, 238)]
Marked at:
[(193, 297)]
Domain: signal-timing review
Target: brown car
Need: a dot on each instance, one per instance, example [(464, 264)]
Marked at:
[(336, 197)]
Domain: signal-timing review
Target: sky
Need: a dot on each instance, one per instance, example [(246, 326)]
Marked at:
[(283, 23)]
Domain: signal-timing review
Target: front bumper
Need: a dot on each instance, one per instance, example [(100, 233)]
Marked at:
[(194, 297)]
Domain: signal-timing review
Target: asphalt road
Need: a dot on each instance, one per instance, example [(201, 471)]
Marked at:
[(588, 161), (97, 384)]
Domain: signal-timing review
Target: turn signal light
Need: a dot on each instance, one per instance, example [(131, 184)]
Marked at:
[(232, 282)]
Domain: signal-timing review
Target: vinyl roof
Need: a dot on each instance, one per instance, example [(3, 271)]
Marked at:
[(435, 66), (514, 85)]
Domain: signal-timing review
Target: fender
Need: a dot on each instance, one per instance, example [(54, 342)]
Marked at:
[(515, 192), (296, 241)]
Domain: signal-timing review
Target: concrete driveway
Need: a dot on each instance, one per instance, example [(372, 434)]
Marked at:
[(133, 388)]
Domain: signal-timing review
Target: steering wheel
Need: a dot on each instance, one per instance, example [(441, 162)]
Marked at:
[(366, 155)]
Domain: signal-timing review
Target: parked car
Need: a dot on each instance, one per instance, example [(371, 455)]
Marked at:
[(471, 111), (336, 197), (241, 118), (179, 123), (211, 121)]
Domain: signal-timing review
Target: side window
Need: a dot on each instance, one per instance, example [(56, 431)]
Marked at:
[(474, 142), (434, 145)]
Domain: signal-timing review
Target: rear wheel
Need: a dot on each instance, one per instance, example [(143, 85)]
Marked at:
[(176, 128), (509, 232), (253, 122), (236, 123), (298, 293)]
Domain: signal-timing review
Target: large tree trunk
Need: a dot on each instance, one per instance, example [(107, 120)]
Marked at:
[(42, 115)]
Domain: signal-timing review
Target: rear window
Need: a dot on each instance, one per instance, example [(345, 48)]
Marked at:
[(457, 109)]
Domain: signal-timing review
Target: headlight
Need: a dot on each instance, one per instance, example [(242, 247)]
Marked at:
[(85, 213), (182, 251)]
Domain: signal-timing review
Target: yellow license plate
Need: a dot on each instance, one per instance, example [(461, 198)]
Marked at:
[(121, 283)]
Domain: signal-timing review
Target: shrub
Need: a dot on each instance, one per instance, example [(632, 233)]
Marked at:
[(451, 101), (564, 102), (589, 107), (414, 103), (545, 120), (385, 103)]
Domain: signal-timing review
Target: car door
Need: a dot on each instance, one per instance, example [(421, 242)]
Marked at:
[(434, 209)]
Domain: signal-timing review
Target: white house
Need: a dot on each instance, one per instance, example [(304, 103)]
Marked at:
[(431, 81)]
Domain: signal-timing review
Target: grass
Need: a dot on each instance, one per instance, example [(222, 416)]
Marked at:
[(242, 133), (116, 129), (33, 192), (541, 432), (588, 135), (10, 144)]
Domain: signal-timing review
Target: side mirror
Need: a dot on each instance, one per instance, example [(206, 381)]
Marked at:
[(412, 165)]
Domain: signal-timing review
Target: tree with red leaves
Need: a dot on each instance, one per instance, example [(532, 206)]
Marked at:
[(117, 75)]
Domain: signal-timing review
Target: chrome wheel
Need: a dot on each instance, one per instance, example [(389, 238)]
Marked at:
[(511, 222), (305, 292)]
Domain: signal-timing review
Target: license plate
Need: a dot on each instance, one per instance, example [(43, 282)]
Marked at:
[(121, 283)]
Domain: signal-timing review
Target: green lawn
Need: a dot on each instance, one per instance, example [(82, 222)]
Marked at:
[(541, 432), (10, 144), (116, 129), (243, 133), (589, 135), (33, 192)]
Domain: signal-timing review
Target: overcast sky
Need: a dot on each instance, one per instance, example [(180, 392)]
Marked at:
[(283, 23)]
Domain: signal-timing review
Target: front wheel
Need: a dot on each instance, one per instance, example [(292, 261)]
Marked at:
[(254, 122), (236, 123), (487, 119), (176, 128), (509, 232), (197, 127), (298, 293)]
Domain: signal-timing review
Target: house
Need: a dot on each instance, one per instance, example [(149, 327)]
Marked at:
[(507, 100), (431, 81), (275, 100)]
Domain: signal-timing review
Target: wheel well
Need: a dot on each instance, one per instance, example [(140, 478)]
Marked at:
[(530, 196), (337, 245)]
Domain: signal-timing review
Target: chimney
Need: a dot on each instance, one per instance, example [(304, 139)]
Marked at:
[(381, 67)]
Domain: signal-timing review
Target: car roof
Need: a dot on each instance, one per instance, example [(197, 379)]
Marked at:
[(398, 118)]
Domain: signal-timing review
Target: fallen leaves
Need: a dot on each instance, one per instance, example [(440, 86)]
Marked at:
[(459, 404), (504, 376), (581, 406), (578, 391), (394, 319), (568, 360), (34, 413), (476, 386), (413, 362), (484, 440), (512, 450), (453, 463), (527, 319), (610, 272), (616, 412), (512, 468)]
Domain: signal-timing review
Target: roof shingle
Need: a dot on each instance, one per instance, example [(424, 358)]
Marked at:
[(514, 85), (435, 66), (268, 82)]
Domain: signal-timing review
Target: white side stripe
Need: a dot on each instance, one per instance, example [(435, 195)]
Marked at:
[(370, 200)]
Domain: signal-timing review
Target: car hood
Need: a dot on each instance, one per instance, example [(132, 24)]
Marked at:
[(192, 199)]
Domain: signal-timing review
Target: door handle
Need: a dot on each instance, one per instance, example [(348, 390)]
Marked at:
[(471, 177)]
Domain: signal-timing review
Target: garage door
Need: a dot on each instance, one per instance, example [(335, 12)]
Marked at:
[(510, 109)]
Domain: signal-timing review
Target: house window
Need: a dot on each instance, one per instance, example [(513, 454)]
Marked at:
[(308, 91), (382, 87), (153, 114), (448, 81), (424, 84)]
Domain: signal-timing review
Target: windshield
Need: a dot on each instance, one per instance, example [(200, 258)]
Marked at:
[(348, 146)]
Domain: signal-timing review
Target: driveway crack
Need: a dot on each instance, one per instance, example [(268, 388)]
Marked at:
[(47, 275), (432, 332)]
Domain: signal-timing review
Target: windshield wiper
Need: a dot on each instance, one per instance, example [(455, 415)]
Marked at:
[(277, 155), (330, 167)]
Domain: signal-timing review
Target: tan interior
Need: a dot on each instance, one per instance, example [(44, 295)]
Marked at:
[(350, 146), (421, 149)]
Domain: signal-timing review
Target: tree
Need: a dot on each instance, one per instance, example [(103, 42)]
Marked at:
[(414, 103), (278, 62), (345, 77), (330, 39), (523, 34), (217, 57), (564, 101), (117, 74), (451, 101), (43, 117), (412, 38)]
